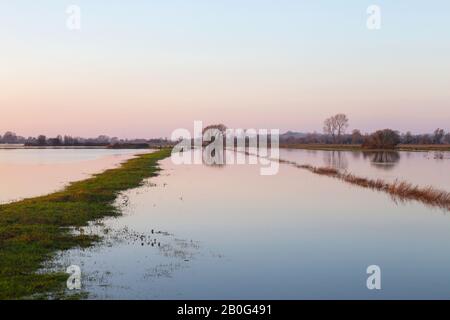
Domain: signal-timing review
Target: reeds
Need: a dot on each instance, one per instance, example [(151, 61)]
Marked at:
[(399, 190)]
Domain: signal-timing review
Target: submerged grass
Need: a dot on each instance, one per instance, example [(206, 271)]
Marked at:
[(32, 230), (399, 190)]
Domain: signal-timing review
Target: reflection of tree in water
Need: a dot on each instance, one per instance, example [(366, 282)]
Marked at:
[(214, 158), (356, 154), (336, 159), (383, 159), (439, 155)]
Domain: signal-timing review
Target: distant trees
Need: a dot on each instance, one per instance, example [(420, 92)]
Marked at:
[(332, 134), (42, 140), (382, 139), (341, 124), (103, 139), (335, 126), (9, 137), (357, 137), (408, 139), (425, 139), (69, 141), (58, 141), (447, 138), (438, 136), (329, 128)]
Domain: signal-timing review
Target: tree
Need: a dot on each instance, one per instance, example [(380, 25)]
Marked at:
[(42, 140), (10, 137), (341, 124), (426, 139), (216, 135), (382, 139), (221, 127), (409, 138), (329, 128), (447, 138), (336, 126), (103, 139), (68, 141), (438, 136), (357, 137)]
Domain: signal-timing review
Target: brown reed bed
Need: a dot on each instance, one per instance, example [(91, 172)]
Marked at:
[(398, 190)]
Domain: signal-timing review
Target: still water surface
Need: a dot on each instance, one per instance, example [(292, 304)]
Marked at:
[(28, 173), (202, 232), (422, 168)]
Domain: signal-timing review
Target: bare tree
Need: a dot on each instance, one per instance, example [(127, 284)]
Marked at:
[(336, 126), (220, 133), (438, 136), (329, 127), (341, 124), (408, 138), (221, 127), (447, 138)]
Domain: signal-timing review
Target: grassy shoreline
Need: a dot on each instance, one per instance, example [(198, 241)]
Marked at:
[(33, 230), (357, 147)]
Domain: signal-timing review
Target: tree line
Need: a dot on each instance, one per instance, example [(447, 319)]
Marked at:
[(335, 132), (12, 138)]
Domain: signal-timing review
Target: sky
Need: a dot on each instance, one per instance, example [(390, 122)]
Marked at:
[(145, 68)]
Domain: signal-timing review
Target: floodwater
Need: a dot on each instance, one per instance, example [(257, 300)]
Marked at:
[(227, 232), (422, 168), (28, 173)]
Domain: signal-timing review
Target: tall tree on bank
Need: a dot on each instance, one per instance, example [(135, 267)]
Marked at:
[(438, 136), (335, 126)]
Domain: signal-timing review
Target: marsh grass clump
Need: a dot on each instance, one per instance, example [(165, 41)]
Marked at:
[(33, 230), (399, 190)]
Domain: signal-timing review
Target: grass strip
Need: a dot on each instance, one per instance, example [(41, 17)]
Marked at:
[(33, 230)]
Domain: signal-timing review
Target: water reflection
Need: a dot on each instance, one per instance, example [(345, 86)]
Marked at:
[(421, 168), (214, 158), (336, 159), (440, 155), (267, 237), (383, 159), (33, 172)]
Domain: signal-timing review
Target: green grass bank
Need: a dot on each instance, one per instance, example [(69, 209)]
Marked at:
[(33, 230)]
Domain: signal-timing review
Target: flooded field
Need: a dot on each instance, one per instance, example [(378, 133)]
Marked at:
[(28, 173), (422, 168), (208, 232)]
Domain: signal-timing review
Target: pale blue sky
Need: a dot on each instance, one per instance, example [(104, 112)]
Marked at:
[(145, 68)]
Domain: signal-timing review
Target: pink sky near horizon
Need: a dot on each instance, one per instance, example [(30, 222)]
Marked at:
[(147, 77)]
